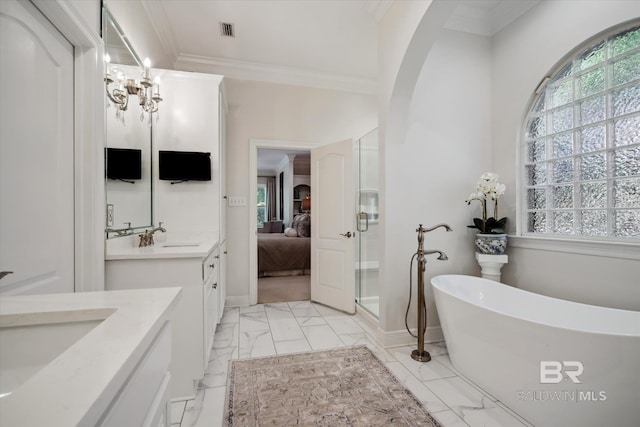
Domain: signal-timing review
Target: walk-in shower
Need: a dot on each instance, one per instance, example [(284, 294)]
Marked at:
[(367, 216)]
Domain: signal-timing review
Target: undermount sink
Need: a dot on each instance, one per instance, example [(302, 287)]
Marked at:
[(26, 349)]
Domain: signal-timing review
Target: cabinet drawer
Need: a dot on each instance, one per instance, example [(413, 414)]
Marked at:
[(210, 265)]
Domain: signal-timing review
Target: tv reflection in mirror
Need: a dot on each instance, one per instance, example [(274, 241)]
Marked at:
[(181, 166), (123, 164)]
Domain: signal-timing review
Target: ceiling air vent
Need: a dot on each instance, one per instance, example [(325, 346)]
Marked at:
[(226, 30)]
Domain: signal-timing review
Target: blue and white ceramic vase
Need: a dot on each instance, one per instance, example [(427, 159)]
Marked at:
[(491, 244)]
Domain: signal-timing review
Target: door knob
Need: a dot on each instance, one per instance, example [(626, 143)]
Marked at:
[(4, 273), (347, 234)]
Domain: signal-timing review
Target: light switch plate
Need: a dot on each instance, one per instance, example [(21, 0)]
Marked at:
[(235, 201), (109, 215)]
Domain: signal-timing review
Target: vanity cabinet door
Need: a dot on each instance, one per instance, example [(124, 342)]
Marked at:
[(143, 398), (211, 293), (211, 290), (187, 364), (222, 282)]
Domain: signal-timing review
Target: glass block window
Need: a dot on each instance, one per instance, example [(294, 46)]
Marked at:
[(581, 144)]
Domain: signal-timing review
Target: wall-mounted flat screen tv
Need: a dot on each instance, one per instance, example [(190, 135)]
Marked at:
[(184, 166), (123, 163)]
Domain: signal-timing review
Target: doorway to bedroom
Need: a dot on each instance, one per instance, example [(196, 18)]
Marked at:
[(283, 224)]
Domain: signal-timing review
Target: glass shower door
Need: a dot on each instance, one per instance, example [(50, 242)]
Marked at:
[(367, 216)]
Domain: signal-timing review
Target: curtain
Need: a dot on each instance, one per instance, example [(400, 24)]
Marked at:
[(270, 183), (271, 198)]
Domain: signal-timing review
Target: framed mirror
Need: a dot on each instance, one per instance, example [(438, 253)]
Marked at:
[(128, 177)]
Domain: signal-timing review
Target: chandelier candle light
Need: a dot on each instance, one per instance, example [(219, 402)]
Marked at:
[(491, 238), (148, 92)]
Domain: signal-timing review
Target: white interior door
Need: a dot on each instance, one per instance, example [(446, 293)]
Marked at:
[(36, 153), (332, 233)]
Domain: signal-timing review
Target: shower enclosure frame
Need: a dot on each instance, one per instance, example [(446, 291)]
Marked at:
[(366, 219)]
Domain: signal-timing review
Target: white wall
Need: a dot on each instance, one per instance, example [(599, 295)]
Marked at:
[(523, 53), (405, 36), (279, 112), (428, 177), (188, 121)]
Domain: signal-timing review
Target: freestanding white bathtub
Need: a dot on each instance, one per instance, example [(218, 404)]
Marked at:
[(554, 362)]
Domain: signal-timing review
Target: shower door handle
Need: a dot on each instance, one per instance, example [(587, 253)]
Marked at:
[(359, 217)]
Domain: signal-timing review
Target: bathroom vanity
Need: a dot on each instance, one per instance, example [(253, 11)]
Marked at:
[(192, 262), (86, 359), (192, 207), (190, 254)]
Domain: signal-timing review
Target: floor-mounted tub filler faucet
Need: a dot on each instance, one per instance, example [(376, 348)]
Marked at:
[(420, 354), (426, 230), (146, 238)]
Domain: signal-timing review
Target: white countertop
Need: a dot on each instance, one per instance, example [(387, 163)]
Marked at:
[(171, 245), (77, 387)]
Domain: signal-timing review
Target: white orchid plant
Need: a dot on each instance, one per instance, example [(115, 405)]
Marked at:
[(488, 188)]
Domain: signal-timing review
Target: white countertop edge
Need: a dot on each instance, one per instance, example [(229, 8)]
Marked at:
[(78, 386), (122, 252), (157, 255)]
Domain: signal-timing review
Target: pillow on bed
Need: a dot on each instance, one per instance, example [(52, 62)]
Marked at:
[(302, 224), (290, 232)]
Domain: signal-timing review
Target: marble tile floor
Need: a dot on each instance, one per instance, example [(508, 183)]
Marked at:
[(280, 328)]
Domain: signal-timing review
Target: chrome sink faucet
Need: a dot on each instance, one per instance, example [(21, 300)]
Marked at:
[(146, 238)]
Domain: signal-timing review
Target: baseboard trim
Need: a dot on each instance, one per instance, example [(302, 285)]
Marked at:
[(370, 323), (402, 337), (395, 338), (241, 301)]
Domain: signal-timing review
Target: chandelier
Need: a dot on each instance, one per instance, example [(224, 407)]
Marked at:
[(148, 92)]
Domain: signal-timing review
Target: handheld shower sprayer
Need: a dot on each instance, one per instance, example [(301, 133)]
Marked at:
[(442, 257), (420, 354)]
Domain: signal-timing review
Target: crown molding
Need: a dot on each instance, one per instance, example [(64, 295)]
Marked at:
[(244, 70)]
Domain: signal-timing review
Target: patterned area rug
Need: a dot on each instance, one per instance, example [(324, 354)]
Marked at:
[(341, 387)]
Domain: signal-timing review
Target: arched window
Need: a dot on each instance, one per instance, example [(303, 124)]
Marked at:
[(581, 143)]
